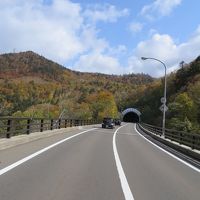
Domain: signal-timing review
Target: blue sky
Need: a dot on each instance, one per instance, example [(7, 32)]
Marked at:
[(104, 36)]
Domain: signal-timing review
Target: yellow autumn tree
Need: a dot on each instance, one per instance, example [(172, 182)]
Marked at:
[(102, 105)]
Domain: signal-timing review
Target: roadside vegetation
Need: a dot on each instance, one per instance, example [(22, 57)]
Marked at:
[(183, 95)]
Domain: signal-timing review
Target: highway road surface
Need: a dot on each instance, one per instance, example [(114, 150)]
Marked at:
[(95, 164)]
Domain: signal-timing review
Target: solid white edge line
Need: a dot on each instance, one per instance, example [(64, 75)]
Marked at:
[(170, 154), (23, 160), (179, 153), (124, 183)]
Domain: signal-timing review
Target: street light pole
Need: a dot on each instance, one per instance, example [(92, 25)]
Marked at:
[(165, 92)]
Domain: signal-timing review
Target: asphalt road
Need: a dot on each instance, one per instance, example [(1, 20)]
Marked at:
[(95, 165)]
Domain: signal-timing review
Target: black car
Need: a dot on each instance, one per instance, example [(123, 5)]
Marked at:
[(117, 122), (108, 123)]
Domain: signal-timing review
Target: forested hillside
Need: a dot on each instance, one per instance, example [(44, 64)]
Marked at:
[(31, 85), (183, 99)]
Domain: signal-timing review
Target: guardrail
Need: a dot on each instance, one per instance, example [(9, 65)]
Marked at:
[(189, 139), (10, 126)]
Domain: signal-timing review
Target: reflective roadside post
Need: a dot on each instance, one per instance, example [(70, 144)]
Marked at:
[(164, 100)]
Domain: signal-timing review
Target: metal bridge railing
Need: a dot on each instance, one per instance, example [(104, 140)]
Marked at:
[(189, 139), (10, 126)]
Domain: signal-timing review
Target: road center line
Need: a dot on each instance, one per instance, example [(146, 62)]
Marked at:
[(23, 160), (170, 154), (124, 183)]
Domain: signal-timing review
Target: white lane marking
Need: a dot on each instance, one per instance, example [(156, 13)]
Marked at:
[(170, 154), (12, 166), (129, 134), (124, 183)]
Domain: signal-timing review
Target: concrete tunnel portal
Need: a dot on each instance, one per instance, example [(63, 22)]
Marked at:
[(131, 115)]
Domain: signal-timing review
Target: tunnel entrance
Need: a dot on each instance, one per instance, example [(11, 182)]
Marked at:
[(131, 115)]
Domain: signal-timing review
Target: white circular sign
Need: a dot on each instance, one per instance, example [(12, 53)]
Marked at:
[(163, 100)]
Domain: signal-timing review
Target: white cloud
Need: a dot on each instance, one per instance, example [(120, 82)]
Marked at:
[(47, 29), (152, 32), (105, 12), (58, 30), (164, 48), (90, 40), (135, 27), (96, 62), (159, 8), (118, 51)]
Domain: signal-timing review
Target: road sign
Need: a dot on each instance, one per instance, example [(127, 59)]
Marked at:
[(163, 100), (162, 108)]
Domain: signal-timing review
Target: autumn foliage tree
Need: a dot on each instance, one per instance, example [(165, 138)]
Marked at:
[(182, 112), (102, 104)]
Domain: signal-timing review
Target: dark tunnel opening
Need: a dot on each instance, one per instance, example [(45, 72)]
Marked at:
[(131, 117)]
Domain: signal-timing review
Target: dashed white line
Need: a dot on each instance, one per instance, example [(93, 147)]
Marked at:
[(124, 183), (170, 154), (12, 166)]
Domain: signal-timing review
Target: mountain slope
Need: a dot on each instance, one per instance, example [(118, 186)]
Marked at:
[(28, 63), (183, 99), (28, 79)]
